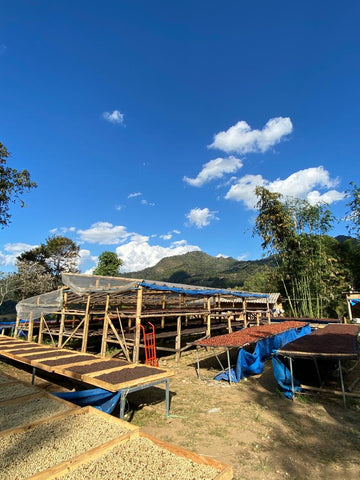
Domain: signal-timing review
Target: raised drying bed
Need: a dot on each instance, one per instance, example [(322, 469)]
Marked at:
[(16, 389), (150, 458), (31, 409), (44, 450)]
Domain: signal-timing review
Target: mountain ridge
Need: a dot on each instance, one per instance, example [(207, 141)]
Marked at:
[(200, 268)]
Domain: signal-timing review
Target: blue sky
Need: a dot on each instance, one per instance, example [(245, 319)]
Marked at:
[(147, 125)]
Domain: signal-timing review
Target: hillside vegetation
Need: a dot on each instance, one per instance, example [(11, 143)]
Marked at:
[(199, 268)]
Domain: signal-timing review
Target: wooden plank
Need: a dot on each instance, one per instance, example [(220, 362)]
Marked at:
[(131, 383), (69, 465), (226, 471)]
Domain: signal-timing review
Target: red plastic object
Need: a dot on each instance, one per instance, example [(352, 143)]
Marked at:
[(149, 345)]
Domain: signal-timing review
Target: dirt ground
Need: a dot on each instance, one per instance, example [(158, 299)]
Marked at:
[(248, 425)]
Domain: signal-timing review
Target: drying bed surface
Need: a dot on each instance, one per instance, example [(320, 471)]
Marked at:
[(19, 346), (67, 360), (29, 411), (249, 335), (98, 366), (140, 458), (5, 379), (53, 442), (332, 341), (52, 353), (128, 374), (27, 352), (15, 390)]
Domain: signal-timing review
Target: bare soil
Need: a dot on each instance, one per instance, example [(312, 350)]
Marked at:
[(248, 425)]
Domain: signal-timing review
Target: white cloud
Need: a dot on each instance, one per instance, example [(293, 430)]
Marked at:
[(168, 236), (329, 197), (119, 207), (104, 233), (242, 139), (115, 117), (137, 256), (242, 257), (86, 257), (216, 168), (62, 230), (13, 250), (145, 202), (177, 232), (201, 217), (135, 194), (300, 184), (221, 255)]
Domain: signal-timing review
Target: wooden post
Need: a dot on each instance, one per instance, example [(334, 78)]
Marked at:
[(105, 327), (163, 306), (41, 328), (62, 321), (86, 324), (349, 308), (178, 339), (244, 312), (229, 318), (268, 313), (137, 324), (31, 327), (208, 320), (257, 318), (17, 323)]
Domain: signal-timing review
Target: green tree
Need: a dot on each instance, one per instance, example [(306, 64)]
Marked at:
[(32, 279), (353, 213), (307, 262), (13, 184), (57, 255), (108, 265)]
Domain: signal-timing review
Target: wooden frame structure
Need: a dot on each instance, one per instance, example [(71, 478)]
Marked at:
[(114, 308)]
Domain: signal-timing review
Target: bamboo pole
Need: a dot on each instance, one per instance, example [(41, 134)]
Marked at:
[(86, 325), (105, 327), (139, 301)]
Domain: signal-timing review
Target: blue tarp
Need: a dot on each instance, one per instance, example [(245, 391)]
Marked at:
[(203, 291), (354, 301), (96, 397), (248, 364), (283, 377)]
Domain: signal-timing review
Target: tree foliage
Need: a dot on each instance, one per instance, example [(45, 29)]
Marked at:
[(32, 279), (308, 267), (57, 255), (13, 184), (353, 213), (109, 264)]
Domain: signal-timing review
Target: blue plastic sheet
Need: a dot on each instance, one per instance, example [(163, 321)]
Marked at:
[(194, 291), (96, 397), (283, 377), (248, 364)]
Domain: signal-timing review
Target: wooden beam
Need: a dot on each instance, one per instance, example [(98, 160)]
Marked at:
[(62, 320), (105, 328), (86, 325), (178, 339), (139, 302)]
